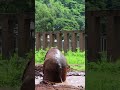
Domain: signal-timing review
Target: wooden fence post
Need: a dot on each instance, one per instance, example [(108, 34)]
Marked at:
[(59, 40), (11, 36), (66, 41), (21, 36), (5, 38), (44, 40), (24, 39), (38, 42), (117, 37), (93, 40), (81, 41), (51, 39), (32, 40), (27, 34), (111, 44), (74, 41)]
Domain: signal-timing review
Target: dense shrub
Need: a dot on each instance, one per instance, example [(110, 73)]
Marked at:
[(11, 70)]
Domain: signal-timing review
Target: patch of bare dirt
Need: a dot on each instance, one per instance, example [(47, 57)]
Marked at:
[(60, 87)]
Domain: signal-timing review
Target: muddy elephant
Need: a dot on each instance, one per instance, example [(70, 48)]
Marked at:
[(55, 66)]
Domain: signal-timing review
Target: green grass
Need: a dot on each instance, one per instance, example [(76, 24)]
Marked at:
[(11, 71), (77, 57), (103, 75), (96, 80), (39, 56), (78, 67)]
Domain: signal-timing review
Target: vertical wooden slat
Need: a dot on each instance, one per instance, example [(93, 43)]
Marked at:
[(8, 47), (117, 36), (38, 42), (93, 47), (59, 40), (66, 41), (51, 39), (27, 35), (11, 36), (44, 40), (55, 38), (74, 41), (32, 40), (111, 45), (81, 41), (21, 36), (5, 35)]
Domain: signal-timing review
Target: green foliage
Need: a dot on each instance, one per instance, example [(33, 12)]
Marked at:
[(12, 6), (98, 80), (104, 66), (11, 71), (103, 75), (59, 15), (39, 56), (75, 59), (102, 5)]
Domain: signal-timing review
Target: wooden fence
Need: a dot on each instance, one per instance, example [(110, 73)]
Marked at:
[(64, 40), (103, 34), (16, 33)]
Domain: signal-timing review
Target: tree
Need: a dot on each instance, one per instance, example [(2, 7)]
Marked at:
[(59, 15), (43, 17)]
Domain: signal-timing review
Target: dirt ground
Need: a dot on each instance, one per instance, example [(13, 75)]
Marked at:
[(75, 81)]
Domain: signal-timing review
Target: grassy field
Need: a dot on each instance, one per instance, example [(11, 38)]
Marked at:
[(75, 59), (103, 75), (96, 80)]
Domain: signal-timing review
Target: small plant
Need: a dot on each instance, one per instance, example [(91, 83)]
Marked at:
[(39, 56), (77, 57)]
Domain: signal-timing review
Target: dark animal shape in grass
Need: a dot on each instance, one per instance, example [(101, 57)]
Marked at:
[(55, 66), (28, 79)]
